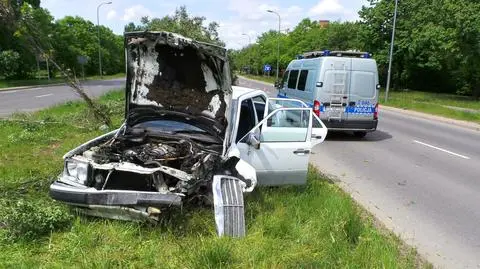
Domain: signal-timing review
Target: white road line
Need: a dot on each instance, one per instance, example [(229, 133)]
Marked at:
[(45, 95), (444, 150)]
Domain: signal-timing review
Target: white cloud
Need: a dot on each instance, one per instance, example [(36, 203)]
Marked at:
[(136, 12), (112, 14), (327, 7)]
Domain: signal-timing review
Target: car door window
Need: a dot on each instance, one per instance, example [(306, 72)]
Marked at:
[(247, 119), (284, 125), (302, 80), (292, 79), (259, 105)]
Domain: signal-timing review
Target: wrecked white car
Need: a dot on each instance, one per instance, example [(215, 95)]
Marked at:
[(188, 135)]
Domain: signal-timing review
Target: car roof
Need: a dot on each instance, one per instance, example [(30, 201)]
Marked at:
[(239, 91)]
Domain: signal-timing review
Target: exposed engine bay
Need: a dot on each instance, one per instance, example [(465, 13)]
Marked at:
[(163, 165)]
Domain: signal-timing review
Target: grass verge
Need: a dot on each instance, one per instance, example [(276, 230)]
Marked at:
[(313, 226), (445, 105), (34, 82)]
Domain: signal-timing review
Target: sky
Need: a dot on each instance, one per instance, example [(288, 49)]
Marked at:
[(235, 17)]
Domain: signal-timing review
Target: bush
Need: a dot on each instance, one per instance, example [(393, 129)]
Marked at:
[(9, 63), (30, 219)]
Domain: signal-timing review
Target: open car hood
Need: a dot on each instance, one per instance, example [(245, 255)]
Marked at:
[(171, 73)]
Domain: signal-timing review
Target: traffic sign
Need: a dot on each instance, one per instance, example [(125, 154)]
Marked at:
[(267, 68)]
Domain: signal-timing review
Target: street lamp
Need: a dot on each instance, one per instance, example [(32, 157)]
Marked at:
[(278, 42), (391, 51), (99, 43)]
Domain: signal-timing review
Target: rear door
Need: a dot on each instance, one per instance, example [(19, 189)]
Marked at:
[(283, 151), (334, 96), (363, 94)]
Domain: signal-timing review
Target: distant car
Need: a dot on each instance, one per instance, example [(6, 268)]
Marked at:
[(341, 86), (188, 134)]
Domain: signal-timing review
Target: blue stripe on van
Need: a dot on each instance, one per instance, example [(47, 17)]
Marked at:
[(360, 109)]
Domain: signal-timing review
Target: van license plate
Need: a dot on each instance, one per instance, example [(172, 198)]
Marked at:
[(335, 113)]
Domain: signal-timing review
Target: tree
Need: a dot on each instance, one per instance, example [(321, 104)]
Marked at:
[(76, 37), (34, 28), (181, 23), (9, 63)]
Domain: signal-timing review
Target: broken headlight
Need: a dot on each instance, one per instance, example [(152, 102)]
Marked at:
[(78, 170)]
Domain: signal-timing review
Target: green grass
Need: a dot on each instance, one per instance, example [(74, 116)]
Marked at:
[(313, 226), (44, 81), (436, 104)]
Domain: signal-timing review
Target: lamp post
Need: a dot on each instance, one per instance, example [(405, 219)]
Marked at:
[(391, 51), (99, 43), (278, 42)]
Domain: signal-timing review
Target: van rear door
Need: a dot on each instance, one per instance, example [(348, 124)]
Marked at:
[(363, 93), (336, 83)]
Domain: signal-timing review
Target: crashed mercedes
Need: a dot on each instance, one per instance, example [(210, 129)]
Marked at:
[(187, 134)]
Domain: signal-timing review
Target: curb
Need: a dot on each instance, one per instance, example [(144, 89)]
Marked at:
[(29, 87), (459, 123)]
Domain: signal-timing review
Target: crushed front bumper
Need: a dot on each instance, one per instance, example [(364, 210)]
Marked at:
[(79, 196)]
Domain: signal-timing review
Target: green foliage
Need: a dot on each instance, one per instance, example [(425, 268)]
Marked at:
[(181, 23), (29, 219), (437, 45), (76, 37), (33, 27), (306, 36), (9, 63)]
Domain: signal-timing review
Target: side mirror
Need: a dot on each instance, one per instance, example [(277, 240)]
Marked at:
[(253, 141)]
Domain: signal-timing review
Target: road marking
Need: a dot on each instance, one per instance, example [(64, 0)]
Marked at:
[(45, 95), (444, 150), (14, 91)]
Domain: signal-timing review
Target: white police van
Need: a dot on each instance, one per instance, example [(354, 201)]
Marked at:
[(341, 86)]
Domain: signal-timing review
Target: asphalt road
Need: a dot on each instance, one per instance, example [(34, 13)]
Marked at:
[(28, 100), (419, 177)]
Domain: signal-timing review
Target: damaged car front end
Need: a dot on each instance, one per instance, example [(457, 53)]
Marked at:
[(172, 145)]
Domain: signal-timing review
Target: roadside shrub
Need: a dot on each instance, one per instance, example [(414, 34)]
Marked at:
[(30, 219)]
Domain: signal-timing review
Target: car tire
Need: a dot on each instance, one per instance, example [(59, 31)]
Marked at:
[(229, 206), (360, 134)]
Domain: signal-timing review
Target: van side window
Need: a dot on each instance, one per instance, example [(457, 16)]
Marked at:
[(302, 80), (285, 78), (292, 79)]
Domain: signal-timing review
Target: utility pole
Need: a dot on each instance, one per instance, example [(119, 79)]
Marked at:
[(99, 42), (278, 42), (389, 75)]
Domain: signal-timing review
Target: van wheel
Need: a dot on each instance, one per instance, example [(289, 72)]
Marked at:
[(360, 134)]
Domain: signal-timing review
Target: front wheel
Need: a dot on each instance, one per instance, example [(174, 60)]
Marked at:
[(360, 134), (229, 206)]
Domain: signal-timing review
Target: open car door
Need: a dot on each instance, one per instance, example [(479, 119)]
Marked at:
[(278, 147)]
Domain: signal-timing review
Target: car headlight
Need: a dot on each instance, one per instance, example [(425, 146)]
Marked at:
[(78, 170)]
